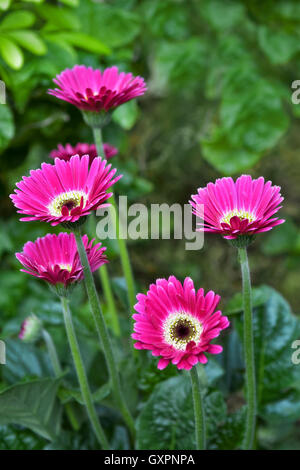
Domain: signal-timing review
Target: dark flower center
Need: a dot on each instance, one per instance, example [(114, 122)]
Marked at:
[(69, 204), (183, 330), (70, 200), (180, 328)]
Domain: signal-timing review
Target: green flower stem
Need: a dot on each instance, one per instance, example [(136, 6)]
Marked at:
[(124, 256), (58, 372), (103, 334), (108, 294), (125, 260), (81, 374), (249, 350), (103, 271), (199, 413)]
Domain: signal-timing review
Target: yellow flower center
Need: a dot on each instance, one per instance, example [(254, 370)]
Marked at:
[(181, 328), (241, 214), (67, 267), (70, 199)]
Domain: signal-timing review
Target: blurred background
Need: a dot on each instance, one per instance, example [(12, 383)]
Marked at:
[(220, 78)]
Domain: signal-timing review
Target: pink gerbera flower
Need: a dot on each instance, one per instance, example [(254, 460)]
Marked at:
[(65, 153), (55, 258), (178, 323), (64, 192), (244, 207), (94, 90)]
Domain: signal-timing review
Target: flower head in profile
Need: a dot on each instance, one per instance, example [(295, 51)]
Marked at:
[(177, 323), (64, 192), (65, 153), (241, 208), (55, 258), (31, 329), (95, 90)]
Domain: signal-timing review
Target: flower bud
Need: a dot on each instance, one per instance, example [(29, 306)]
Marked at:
[(31, 329)]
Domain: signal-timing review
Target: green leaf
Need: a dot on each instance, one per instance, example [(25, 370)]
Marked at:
[(82, 41), (11, 53), (230, 432), (32, 405), (285, 410), (275, 329), (7, 127), (167, 419), (166, 18), (71, 3), (67, 394), (126, 115), (19, 439), (281, 240), (114, 26), (279, 46), (260, 295), (29, 40), (4, 4), (58, 16), (226, 157), (253, 117), (223, 15), (25, 360), (179, 66), (252, 120), (17, 20)]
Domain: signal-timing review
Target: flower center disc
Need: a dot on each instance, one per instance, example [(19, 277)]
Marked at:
[(70, 200), (180, 329), (241, 214)]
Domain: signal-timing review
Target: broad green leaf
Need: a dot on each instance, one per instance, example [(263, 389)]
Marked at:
[(281, 240), (260, 295), (14, 438), (71, 3), (253, 117), (223, 15), (81, 40), (17, 20), (4, 4), (11, 53), (114, 26), (67, 394), (29, 40), (58, 57), (33, 405), (58, 16), (7, 127), (227, 158), (179, 66), (252, 120), (166, 19), (230, 433), (285, 410), (275, 329), (25, 360), (279, 46), (232, 361), (126, 115), (167, 419)]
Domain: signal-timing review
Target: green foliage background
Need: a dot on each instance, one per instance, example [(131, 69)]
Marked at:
[(219, 103)]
